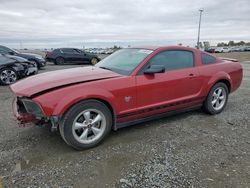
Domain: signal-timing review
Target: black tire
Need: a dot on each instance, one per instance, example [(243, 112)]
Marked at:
[(8, 80), (59, 61), (68, 132), (94, 60), (208, 106)]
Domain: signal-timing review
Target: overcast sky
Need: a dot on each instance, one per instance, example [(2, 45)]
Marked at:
[(61, 23)]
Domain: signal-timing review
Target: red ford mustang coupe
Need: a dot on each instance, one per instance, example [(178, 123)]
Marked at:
[(130, 86)]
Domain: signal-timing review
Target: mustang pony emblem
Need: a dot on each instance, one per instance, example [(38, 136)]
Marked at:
[(127, 98)]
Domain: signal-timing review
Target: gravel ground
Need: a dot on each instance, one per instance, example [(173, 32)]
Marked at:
[(187, 150)]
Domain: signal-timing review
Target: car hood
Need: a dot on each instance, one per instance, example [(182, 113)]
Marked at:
[(17, 58), (31, 86), (31, 54)]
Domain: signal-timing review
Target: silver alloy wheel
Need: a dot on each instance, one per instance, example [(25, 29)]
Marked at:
[(94, 61), (8, 76), (219, 98), (89, 126)]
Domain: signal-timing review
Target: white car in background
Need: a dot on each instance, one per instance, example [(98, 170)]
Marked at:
[(222, 50)]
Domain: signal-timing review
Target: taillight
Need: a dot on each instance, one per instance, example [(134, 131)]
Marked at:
[(48, 54)]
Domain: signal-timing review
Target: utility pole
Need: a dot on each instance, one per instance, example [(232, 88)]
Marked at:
[(198, 41)]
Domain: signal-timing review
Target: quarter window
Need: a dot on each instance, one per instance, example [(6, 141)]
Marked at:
[(174, 59), (207, 59)]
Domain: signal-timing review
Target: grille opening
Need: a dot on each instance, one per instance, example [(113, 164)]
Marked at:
[(20, 107)]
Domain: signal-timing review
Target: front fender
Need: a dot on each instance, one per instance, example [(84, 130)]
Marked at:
[(57, 102), (75, 97)]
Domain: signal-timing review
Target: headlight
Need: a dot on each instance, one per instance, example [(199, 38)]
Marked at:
[(32, 108), (39, 57)]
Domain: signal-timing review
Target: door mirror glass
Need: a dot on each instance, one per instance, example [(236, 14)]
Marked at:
[(155, 69)]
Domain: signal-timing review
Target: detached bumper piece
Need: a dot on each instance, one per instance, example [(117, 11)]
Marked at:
[(31, 71), (28, 111)]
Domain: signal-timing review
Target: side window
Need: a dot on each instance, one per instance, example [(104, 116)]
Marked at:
[(67, 50), (174, 59), (76, 51), (207, 59)]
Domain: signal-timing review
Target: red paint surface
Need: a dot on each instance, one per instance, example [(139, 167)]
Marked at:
[(149, 93)]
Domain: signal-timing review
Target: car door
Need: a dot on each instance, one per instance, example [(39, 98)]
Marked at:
[(177, 87), (69, 55), (81, 56)]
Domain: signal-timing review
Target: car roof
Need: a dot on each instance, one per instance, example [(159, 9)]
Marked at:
[(163, 47), (68, 48)]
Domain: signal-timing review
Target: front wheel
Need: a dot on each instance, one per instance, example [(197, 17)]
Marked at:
[(8, 76), (217, 99), (86, 124), (59, 61)]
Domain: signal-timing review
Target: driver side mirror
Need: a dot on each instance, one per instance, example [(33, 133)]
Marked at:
[(155, 69)]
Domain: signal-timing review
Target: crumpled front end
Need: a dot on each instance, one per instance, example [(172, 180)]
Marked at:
[(28, 111)]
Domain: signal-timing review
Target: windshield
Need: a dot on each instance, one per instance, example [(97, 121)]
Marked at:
[(124, 61), (14, 50)]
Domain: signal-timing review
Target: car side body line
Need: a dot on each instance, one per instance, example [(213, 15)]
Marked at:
[(157, 116), (152, 111), (165, 106)]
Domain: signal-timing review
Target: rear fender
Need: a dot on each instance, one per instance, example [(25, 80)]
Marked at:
[(216, 78)]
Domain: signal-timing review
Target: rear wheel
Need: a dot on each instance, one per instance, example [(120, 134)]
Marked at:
[(217, 99), (93, 61), (86, 124), (8, 76), (59, 61)]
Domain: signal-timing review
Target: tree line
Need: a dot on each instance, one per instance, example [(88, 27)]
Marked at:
[(232, 43)]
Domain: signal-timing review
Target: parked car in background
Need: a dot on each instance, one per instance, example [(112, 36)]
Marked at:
[(247, 48), (13, 68), (241, 49), (222, 50), (71, 55), (238, 49), (39, 60), (109, 51), (130, 86), (210, 50)]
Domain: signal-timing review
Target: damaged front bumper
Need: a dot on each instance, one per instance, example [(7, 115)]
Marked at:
[(28, 111), (31, 71)]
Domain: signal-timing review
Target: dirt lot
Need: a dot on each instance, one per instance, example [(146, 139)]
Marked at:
[(186, 150)]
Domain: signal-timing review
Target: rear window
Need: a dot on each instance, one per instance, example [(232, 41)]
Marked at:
[(207, 59), (57, 51)]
